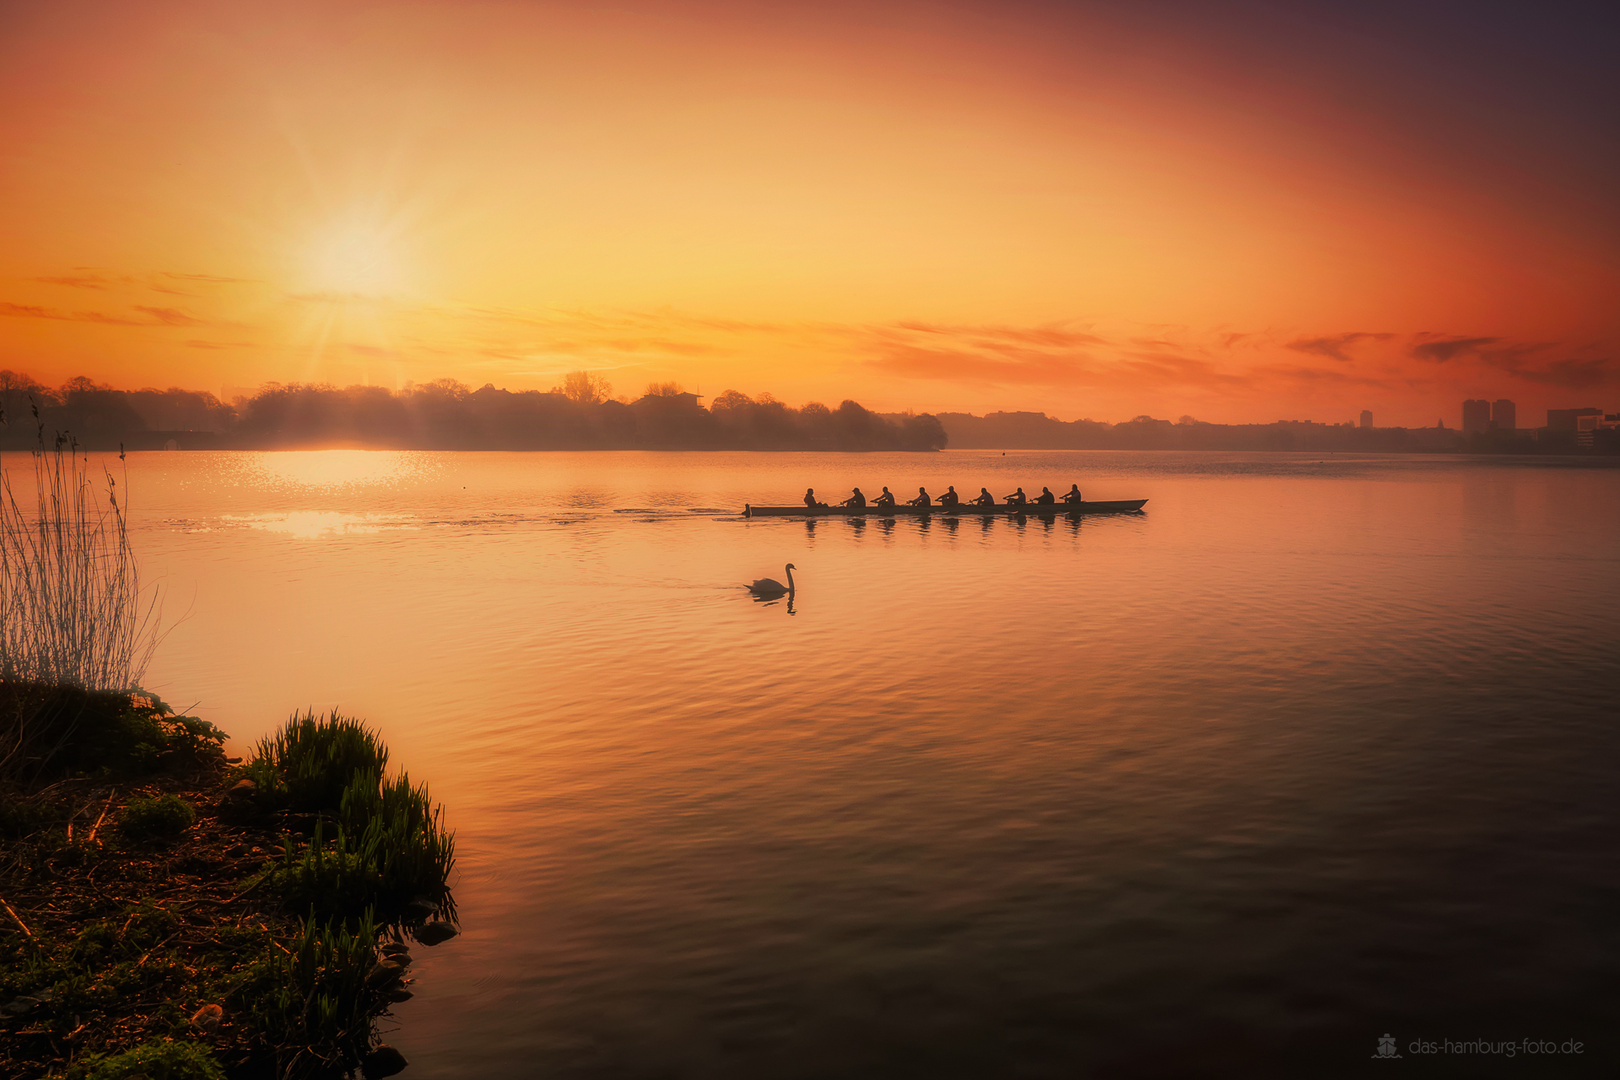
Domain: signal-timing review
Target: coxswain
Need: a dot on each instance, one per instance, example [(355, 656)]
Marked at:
[(983, 498), (922, 499), (1017, 498), (1072, 496), (950, 498), (1045, 498), (810, 499), (857, 500)]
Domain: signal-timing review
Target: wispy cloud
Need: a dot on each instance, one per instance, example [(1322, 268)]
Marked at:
[(171, 316), (1442, 349), (211, 279), (1336, 346), (78, 281), (33, 311)]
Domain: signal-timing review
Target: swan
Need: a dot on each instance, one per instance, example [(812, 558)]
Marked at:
[(771, 587)]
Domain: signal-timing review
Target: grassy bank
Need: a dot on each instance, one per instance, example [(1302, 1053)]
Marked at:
[(169, 912)]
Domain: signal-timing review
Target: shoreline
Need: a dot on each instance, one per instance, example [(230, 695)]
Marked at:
[(152, 920)]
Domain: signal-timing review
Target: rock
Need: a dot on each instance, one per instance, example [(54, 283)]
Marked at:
[(396, 948), (384, 973), (421, 908), (435, 932), (208, 1018), (383, 1061), (398, 995), (19, 1006), (243, 789)]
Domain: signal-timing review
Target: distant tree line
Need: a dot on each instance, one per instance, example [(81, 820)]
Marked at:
[(1037, 431), (581, 413)]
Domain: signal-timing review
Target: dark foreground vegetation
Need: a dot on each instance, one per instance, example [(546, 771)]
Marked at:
[(171, 913), (446, 415)]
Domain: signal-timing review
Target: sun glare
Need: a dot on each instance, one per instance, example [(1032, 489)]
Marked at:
[(356, 257)]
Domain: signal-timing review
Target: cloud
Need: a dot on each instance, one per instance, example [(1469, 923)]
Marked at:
[(1229, 340), (1573, 374), (33, 311), (1442, 349), (171, 316), (212, 279), (78, 281), (1320, 376), (936, 363), (1050, 336), (1336, 346)]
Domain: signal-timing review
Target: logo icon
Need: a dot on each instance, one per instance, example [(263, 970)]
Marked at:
[(1386, 1048)]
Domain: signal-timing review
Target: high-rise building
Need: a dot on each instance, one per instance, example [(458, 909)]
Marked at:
[(1476, 415), (1503, 415), (1366, 418)]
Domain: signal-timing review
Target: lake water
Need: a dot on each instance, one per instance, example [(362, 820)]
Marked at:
[(1313, 750)]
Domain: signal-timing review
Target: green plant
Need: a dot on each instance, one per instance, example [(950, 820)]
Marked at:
[(165, 1060), (313, 1001), (311, 760), (168, 815), (390, 847)]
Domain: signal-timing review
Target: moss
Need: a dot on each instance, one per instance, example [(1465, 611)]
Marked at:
[(165, 1060), (166, 816)]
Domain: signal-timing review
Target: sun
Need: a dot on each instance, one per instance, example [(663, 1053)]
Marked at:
[(355, 257)]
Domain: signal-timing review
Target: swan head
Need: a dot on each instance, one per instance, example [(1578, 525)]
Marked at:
[(790, 566)]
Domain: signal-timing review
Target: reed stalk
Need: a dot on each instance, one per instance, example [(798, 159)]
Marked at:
[(72, 609)]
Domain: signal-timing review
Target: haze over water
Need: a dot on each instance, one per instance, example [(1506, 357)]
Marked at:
[(1311, 751)]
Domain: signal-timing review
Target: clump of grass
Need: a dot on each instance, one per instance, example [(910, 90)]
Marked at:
[(72, 609), (315, 999), (167, 1059), (309, 762), (166, 816), (387, 848)]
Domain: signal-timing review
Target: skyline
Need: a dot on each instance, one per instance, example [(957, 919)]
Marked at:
[(1239, 214)]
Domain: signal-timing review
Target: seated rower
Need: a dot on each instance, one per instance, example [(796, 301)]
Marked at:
[(950, 499), (885, 500), (810, 500), (983, 498), (922, 499), (857, 500), (1072, 496), (1017, 498), (1045, 498)]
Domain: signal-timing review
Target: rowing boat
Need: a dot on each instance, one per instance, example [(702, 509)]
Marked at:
[(1119, 506)]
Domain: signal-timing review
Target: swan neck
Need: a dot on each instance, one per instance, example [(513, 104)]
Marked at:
[(790, 578)]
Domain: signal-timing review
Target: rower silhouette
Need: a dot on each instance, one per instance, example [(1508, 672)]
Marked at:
[(922, 499), (857, 500)]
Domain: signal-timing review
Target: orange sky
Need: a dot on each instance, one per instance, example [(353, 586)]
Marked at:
[(1238, 213)]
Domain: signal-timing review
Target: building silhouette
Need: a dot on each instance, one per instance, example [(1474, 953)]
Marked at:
[(1504, 416), (1366, 418), (1476, 416), (1568, 419)]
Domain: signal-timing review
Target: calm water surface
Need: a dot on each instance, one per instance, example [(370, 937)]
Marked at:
[(1314, 750)]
